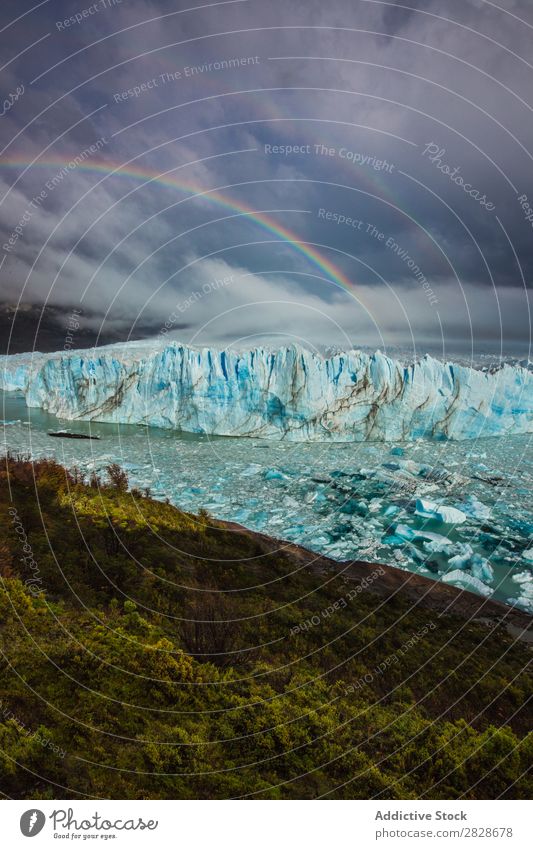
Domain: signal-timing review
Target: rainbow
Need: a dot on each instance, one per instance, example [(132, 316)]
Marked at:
[(148, 176)]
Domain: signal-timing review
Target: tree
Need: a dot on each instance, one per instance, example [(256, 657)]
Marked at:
[(117, 476)]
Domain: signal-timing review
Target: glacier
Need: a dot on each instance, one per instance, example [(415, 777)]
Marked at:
[(290, 393)]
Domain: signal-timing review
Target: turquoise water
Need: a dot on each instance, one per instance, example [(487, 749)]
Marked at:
[(346, 500)]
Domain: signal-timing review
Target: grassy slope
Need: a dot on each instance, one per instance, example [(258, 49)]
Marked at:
[(125, 662)]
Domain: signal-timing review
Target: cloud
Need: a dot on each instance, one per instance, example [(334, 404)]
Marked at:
[(378, 81)]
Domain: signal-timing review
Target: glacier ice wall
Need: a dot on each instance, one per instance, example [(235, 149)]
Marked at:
[(290, 393)]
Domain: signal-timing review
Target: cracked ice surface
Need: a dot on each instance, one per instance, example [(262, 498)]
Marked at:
[(457, 511), (288, 393)]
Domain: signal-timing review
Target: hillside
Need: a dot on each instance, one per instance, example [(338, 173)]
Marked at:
[(150, 653)]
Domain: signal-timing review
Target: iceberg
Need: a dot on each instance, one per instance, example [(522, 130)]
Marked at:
[(439, 512), (525, 597), (466, 581), (288, 393), (475, 508), (460, 556), (481, 569)]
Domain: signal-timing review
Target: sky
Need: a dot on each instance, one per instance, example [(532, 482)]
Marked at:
[(341, 174)]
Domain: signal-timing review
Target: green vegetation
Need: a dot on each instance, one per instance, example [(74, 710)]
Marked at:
[(123, 678)]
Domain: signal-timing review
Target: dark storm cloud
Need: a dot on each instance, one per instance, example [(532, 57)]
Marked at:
[(378, 83)]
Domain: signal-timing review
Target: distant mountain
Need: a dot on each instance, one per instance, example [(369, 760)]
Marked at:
[(32, 327)]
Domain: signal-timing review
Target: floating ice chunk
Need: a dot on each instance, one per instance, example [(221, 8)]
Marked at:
[(241, 515), (411, 534), (352, 507), (188, 491), (318, 542), (440, 546), (525, 597), (424, 507), (462, 557), (436, 539), (397, 451), (481, 569), (295, 532), (464, 580), (340, 550), (274, 475), (475, 508), (318, 498), (393, 539), (404, 532), (252, 469), (523, 602), (524, 579), (528, 555), (439, 512), (259, 519), (412, 467)]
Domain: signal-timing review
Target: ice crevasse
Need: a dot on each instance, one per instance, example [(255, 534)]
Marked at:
[(289, 393)]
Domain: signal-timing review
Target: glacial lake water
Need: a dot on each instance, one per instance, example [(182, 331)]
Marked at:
[(368, 501)]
